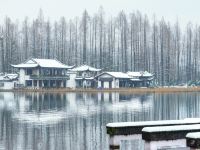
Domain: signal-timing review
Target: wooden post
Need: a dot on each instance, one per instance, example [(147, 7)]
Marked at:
[(114, 143), (193, 140)]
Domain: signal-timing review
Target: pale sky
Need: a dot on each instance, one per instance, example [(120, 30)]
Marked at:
[(184, 10)]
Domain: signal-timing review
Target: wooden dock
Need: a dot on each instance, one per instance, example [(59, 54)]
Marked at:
[(133, 130)]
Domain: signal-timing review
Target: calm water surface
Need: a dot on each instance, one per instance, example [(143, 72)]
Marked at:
[(76, 121)]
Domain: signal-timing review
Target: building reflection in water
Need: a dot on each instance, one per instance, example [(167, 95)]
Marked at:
[(76, 121)]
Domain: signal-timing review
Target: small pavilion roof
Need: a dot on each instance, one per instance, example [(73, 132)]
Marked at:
[(85, 68)]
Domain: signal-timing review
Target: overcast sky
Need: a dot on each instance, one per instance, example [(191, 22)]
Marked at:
[(184, 10)]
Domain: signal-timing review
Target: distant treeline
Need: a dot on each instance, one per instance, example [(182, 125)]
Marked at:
[(125, 42)]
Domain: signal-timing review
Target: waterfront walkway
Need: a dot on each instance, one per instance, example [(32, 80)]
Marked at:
[(120, 90)]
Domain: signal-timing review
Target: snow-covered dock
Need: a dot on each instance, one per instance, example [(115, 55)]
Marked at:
[(133, 130), (128, 128)]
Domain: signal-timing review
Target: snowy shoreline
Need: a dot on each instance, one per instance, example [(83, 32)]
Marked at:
[(123, 90)]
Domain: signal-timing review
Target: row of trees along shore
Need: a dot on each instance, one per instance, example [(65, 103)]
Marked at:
[(125, 42)]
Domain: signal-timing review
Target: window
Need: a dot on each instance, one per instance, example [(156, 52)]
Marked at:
[(29, 71), (29, 83)]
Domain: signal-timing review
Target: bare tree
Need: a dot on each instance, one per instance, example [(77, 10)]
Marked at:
[(118, 43)]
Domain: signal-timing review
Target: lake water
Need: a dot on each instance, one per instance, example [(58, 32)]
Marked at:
[(76, 121)]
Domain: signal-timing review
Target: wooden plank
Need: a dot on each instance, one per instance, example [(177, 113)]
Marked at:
[(129, 128), (164, 133)]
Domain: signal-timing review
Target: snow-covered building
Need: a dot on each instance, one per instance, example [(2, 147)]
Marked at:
[(85, 76), (8, 81), (141, 79), (113, 80), (42, 73)]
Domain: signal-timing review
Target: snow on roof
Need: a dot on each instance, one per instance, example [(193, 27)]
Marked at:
[(86, 78), (160, 122), (51, 63), (8, 77), (46, 63), (139, 74), (134, 74), (193, 135), (120, 75), (12, 76), (136, 80), (171, 128), (22, 65), (85, 68), (89, 78)]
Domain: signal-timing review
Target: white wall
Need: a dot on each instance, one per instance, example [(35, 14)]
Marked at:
[(117, 83), (22, 76), (99, 84), (8, 85), (106, 84), (113, 83), (71, 83)]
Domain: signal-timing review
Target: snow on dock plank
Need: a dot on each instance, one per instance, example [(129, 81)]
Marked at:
[(125, 128), (146, 123), (168, 132), (193, 135), (171, 128)]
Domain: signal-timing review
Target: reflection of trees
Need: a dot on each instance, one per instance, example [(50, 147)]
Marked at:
[(7, 106), (83, 117), (176, 106)]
